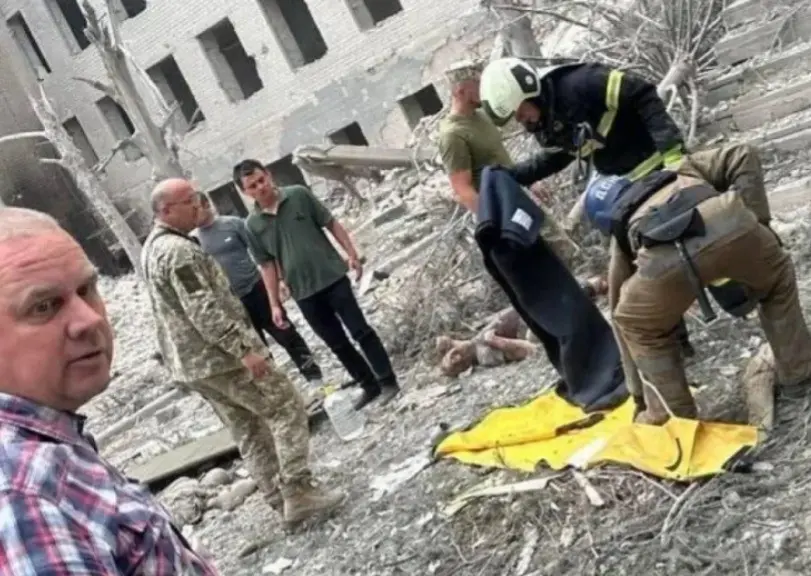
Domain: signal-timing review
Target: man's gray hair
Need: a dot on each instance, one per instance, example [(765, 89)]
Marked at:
[(24, 222)]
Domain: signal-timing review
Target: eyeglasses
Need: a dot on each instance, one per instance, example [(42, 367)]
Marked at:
[(186, 202)]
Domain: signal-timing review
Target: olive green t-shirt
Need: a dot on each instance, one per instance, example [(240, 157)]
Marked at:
[(471, 143), (295, 238)]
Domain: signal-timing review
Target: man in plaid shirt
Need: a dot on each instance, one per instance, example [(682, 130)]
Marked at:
[(63, 509)]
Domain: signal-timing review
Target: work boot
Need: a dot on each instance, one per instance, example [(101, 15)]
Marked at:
[(664, 383), (370, 393), (388, 392), (304, 500)]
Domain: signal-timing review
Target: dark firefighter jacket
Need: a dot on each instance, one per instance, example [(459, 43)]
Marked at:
[(613, 118)]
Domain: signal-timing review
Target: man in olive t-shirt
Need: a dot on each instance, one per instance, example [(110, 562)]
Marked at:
[(469, 141), (286, 237)]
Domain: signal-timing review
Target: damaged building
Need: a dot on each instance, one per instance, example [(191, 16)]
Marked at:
[(250, 78)]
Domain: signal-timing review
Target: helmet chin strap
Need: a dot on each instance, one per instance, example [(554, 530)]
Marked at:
[(537, 125)]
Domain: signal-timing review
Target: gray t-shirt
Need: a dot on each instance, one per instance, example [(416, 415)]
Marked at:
[(226, 240)]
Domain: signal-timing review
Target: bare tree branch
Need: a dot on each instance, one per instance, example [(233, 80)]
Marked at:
[(36, 135), (120, 145), (100, 86)]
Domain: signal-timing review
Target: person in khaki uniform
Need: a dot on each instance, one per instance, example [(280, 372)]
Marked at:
[(469, 141), (210, 347), (713, 209)]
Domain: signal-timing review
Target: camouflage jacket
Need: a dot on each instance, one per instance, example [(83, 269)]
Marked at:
[(202, 327)]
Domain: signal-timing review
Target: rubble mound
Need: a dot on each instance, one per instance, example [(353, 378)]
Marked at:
[(396, 520)]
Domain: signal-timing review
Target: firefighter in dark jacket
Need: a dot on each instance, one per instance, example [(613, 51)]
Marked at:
[(673, 236), (608, 121)]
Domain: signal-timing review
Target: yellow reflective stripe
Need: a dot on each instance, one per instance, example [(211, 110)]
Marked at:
[(673, 156), (612, 102), (645, 168), (587, 148), (720, 282)]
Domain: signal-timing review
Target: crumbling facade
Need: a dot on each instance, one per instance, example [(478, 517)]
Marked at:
[(251, 77)]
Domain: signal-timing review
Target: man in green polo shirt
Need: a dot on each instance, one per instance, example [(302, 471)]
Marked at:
[(287, 239), (469, 141)]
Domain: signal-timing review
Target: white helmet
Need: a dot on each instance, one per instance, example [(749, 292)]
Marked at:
[(505, 83)]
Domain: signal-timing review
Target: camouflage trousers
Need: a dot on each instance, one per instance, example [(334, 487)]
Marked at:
[(268, 422)]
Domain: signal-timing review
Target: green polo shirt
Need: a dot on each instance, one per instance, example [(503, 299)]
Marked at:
[(295, 238)]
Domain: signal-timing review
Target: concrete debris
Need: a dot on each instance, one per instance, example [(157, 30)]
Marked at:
[(398, 475), (165, 415), (591, 492), (488, 489), (531, 537), (390, 525), (233, 497), (215, 477), (277, 567)]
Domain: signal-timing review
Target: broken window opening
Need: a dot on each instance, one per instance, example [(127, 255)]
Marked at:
[(285, 173), (120, 125), (370, 13), (27, 44), (235, 70), (71, 22), (172, 85), (351, 134), (422, 103), (129, 8), (227, 201), (296, 31), (81, 141)]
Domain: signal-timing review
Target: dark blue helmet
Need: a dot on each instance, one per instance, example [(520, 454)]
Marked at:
[(601, 194)]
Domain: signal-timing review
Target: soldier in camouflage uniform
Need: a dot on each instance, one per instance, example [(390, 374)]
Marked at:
[(210, 347)]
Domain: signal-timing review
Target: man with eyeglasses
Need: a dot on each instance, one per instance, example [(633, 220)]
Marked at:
[(211, 348)]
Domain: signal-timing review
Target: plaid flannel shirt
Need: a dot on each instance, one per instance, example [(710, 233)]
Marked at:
[(65, 511)]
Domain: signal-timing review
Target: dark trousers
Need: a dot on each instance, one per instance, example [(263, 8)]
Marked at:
[(258, 306), (327, 312)]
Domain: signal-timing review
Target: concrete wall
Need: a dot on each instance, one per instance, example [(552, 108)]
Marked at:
[(360, 78)]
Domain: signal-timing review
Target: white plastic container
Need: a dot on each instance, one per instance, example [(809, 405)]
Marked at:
[(339, 405)]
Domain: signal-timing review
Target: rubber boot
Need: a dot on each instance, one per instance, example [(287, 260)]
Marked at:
[(664, 382), (304, 500)]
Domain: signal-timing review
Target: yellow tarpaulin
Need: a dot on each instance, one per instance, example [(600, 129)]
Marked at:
[(548, 430)]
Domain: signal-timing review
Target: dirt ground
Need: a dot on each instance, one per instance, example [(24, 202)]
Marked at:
[(754, 522)]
